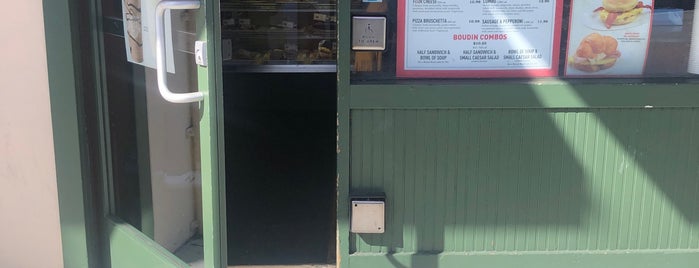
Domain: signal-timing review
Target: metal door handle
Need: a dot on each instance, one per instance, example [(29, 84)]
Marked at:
[(160, 66)]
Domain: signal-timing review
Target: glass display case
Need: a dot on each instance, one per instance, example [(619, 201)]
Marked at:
[(280, 35)]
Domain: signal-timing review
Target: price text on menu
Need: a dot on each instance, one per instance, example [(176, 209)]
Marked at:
[(456, 38)]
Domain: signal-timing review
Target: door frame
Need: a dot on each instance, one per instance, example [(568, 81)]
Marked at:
[(78, 235), (73, 61)]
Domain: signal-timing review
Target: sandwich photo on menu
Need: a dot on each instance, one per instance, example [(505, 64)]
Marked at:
[(596, 52), (608, 38), (620, 12)]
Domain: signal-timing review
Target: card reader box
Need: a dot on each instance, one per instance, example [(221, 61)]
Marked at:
[(368, 217)]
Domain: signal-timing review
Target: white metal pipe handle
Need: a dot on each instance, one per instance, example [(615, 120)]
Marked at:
[(160, 66)]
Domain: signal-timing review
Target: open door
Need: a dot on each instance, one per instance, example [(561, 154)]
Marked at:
[(163, 188)]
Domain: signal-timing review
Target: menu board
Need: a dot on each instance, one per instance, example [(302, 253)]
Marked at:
[(478, 38), (608, 38)]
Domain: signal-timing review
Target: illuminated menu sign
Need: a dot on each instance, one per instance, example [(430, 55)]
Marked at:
[(478, 38)]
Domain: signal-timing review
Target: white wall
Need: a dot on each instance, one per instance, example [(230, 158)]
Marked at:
[(29, 224)]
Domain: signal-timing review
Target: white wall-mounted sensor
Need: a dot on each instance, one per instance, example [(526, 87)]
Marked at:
[(200, 53)]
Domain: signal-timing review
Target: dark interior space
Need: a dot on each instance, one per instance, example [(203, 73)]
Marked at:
[(280, 167)]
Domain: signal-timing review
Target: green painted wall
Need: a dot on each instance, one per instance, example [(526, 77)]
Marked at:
[(527, 180), (525, 173)]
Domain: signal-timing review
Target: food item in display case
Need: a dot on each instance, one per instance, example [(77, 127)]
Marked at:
[(280, 32), (326, 49), (291, 50), (302, 56), (276, 54), (596, 52), (245, 54), (620, 12)]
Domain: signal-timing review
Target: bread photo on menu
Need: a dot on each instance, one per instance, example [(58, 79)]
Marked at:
[(596, 52), (620, 12)]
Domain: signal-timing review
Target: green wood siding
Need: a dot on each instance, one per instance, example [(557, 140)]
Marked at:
[(520, 180), (676, 259), (522, 173)]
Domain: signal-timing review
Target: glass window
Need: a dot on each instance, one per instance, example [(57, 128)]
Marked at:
[(280, 36)]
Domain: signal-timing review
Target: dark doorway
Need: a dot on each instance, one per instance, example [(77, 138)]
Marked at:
[(280, 167)]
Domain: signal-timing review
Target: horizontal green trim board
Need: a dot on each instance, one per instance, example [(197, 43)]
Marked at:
[(658, 259), (131, 248), (548, 94)]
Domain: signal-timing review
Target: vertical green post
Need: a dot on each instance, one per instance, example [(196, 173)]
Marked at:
[(343, 129), (63, 86), (211, 138)]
